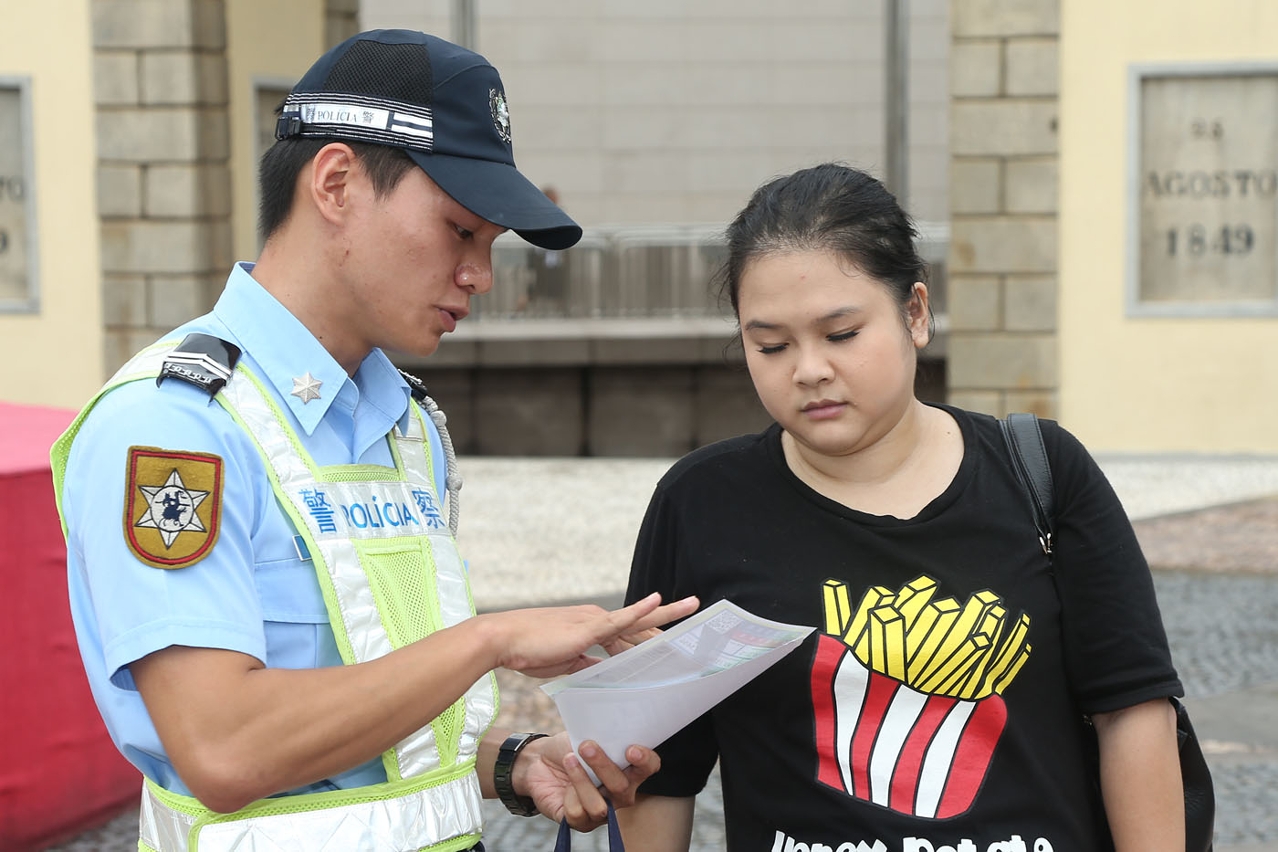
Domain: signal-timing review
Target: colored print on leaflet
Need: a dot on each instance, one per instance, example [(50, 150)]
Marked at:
[(906, 694)]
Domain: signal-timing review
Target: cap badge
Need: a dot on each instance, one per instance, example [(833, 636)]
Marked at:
[(501, 115), (172, 505)]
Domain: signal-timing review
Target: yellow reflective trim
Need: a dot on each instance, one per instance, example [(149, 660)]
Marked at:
[(320, 801), (353, 473)]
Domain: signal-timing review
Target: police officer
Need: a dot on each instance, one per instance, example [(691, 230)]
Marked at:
[(264, 576)]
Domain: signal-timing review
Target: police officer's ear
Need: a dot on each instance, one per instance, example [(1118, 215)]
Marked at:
[(332, 175)]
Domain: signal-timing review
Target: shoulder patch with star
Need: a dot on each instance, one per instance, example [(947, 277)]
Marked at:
[(172, 505)]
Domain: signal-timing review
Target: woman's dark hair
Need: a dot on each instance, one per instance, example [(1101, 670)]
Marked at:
[(284, 161), (834, 208)]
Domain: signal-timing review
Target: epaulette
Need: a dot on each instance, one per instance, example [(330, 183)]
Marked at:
[(202, 360), (416, 386)]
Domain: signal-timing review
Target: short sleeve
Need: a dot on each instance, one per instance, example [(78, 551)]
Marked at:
[(652, 569), (1116, 650), (660, 563), (137, 608), (688, 757)]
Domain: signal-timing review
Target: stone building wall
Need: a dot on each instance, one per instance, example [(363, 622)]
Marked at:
[(672, 111), (341, 20), (163, 178), (1003, 203), (164, 148)]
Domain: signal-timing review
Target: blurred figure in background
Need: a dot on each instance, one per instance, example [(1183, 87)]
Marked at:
[(547, 293)]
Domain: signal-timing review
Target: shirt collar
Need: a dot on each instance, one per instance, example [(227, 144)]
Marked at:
[(384, 389), (285, 353)]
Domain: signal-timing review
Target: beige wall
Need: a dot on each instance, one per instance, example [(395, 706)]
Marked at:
[(675, 111), (265, 43), (1148, 384), (54, 357)]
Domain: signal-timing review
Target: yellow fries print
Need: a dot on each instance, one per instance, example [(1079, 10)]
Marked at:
[(906, 693)]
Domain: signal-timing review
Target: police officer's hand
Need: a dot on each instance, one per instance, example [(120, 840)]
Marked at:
[(554, 640), (549, 772), (629, 640)]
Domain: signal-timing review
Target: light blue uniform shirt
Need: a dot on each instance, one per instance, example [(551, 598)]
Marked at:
[(251, 593)]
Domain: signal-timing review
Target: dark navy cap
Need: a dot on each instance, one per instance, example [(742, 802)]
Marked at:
[(445, 106)]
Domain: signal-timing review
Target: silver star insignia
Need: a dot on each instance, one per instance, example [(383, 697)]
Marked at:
[(306, 388), (171, 508)]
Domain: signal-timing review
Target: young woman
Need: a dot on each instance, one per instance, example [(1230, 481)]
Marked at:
[(939, 703)]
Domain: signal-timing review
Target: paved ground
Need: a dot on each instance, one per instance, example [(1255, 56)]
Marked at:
[(538, 530)]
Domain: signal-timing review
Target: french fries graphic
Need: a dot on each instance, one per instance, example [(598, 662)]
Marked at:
[(934, 645), (906, 692)]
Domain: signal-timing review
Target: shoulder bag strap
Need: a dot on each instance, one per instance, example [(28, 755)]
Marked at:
[(1029, 459), (563, 842)]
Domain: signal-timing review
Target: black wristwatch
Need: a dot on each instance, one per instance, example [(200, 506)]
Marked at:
[(510, 749)]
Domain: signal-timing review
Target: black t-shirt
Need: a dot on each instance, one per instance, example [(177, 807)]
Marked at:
[(938, 702)]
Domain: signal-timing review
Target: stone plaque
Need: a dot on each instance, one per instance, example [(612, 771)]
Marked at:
[(1208, 205), (17, 284)]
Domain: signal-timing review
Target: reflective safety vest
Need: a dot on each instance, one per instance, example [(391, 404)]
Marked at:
[(390, 574)]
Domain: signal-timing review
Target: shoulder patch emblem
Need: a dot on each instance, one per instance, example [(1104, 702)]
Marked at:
[(172, 505)]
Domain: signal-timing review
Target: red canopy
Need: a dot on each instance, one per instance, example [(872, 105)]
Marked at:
[(29, 431), (60, 774)]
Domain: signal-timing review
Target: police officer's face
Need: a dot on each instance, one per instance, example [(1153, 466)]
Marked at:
[(413, 261)]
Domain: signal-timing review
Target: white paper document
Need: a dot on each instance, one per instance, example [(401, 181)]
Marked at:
[(645, 694)]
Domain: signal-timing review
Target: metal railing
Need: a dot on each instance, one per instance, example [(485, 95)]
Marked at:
[(634, 272)]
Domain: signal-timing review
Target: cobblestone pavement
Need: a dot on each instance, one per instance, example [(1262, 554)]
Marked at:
[(1224, 639), (1222, 622)]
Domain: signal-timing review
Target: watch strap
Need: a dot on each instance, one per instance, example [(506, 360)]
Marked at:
[(504, 767)]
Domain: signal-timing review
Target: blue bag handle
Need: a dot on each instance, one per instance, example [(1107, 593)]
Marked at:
[(563, 843)]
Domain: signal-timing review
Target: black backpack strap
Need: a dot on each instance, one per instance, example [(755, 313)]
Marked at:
[(1029, 459)]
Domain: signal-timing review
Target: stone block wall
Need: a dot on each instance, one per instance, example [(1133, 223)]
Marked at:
[(163, 143), (589, 398), (1002, 349), (675, 111), (341, 20), (617, 410)]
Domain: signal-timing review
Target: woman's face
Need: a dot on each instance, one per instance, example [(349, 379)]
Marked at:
[(829, 350)]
